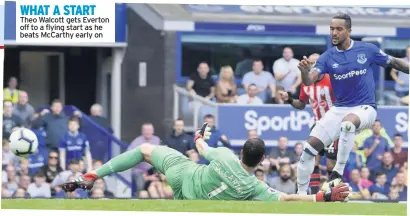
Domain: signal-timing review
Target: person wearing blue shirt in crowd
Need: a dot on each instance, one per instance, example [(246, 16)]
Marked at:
[(216, 137), (386, 167), (181, 141), (380, 189), (375, 146), (74, 145), (350, 66)]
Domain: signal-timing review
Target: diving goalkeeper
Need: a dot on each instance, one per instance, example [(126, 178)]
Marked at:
[(225, 178)]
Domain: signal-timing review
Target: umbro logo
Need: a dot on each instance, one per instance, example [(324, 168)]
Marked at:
[(335, 65)]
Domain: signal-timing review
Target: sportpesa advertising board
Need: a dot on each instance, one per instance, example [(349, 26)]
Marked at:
[(271, 122)]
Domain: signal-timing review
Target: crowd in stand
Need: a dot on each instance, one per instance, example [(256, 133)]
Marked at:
[(259, 85), (377, 168), (67, 148)]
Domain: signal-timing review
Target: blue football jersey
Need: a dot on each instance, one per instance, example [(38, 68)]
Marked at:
[(351, 72), (75, 145)]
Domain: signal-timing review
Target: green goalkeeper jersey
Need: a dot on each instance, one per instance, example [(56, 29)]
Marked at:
[(224, 179)]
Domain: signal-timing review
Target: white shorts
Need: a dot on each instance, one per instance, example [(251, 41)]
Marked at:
[(328, 128)]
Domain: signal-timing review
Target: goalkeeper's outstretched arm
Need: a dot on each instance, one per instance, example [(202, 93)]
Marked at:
[(201, 135), (201, 146)]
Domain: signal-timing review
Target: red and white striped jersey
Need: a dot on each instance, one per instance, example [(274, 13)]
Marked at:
[(319, 95)]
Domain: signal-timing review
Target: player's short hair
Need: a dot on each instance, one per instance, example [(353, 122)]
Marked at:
[(74, 119), (398, 135), (253, 151), (346, 18), (209, 116)]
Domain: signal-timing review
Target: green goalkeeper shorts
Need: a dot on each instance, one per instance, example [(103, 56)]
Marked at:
[(173, 165)]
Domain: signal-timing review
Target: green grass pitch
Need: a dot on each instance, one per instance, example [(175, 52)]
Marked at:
[(210, 206)]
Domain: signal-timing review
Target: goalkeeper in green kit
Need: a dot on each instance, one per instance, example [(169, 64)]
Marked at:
[(225, 178)]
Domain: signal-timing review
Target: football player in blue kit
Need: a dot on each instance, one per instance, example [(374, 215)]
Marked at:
[(349, 64)]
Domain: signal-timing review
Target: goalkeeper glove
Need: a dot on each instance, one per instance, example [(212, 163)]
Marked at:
[(339, 192), (204, 132)]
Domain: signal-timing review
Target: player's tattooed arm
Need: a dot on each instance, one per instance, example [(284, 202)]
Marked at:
[(399, 64)]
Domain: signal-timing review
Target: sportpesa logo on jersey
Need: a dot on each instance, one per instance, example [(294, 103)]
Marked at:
[(350, 74)]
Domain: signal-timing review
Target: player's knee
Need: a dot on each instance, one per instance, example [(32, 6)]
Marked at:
[(146, 149), (353, 118), (348, 126), (315, 143)]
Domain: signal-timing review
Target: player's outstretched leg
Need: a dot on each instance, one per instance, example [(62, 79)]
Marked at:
[(120, 163), (307, 163)]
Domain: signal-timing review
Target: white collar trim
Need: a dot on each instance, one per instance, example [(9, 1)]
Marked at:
[(351, 45)]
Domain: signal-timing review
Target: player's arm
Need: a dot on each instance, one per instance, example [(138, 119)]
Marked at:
[(337, 193), (295, 103), (88, 156), (200, 136), (382, 59), (310, 71), (399, 65)]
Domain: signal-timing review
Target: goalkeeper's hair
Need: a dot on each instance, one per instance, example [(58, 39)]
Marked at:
[(253, 151)]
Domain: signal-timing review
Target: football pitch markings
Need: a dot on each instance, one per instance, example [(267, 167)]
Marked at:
[(193, 207)]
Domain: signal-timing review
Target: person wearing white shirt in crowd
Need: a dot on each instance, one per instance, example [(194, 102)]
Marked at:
[(263, 80), (286, 71), (7, 155), (39, 188), (250, 97)]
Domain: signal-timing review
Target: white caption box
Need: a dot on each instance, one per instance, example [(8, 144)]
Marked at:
[(65, 21)]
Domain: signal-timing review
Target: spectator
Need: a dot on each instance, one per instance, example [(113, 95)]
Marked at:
[(25, 181), (245, 65), (359, 192), (61, 178), (8, 156), (10, 120), (226, 91), (39, 188), (153, 184), (99, 141), (283, 183), (166, 187), (36, 161), (282, 155), (11, 93), (399, 183), (401, 79), (387, 167), (405, 100), (12, 180), (23, 167), (181, 141), (260, 174), (287, 73), (252, 134), (79, 193), (5, 193), (74, 145), (97, 193), (82, 166), (146, 137), (364, 178), (100, 184), (399, 154), (298, 150), (21, 193), (201, 83), (52, 169), (23, 109), (375, 146), (55, 123), (4, 177), (279, 99), (262, 79), (380, 189), (250, 97)]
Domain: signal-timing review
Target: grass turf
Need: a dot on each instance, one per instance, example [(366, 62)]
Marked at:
[(209, 206)]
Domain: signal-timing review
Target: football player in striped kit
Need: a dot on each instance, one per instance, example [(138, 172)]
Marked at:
[(320, 97)]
